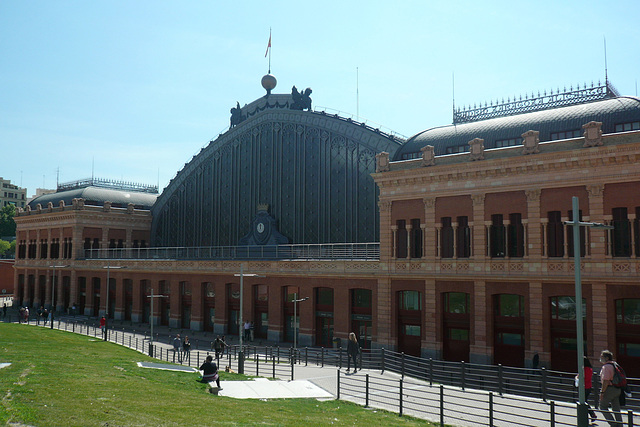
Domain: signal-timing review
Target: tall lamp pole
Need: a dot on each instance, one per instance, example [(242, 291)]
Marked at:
[(106, 309), (241, 325), (53, 291), (295, 319), (152, 296), (583, 419)]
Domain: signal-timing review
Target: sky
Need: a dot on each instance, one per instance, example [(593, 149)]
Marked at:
[(131, 90)]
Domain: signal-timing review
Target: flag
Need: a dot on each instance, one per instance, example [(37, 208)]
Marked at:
[(268, 46)]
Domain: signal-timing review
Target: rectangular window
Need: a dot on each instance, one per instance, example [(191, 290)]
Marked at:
[(413, 330), (628, 311), (456, 334), (401, 239), (570, 236), (361, 298), (508, 142), (463, 237), (416, 239), (621, 234), (509, 305), (457, 149), (625, 127), (446, 238), (410, 300), (555, 235), (516, 236), (496, 237), (510, 339), (456, 302), (568, 134), (564, 308)]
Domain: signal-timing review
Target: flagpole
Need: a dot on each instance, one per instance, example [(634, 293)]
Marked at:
[(269, 50)]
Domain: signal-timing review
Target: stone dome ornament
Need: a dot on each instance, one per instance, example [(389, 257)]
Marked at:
[(269, 82)]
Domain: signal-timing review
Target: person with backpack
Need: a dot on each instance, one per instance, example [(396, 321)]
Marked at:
[(613, 382)]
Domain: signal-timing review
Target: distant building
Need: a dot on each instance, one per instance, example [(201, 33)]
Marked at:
[(41, 192), (11, 194)]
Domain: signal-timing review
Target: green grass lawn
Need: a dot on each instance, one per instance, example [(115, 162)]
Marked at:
[(58, 378)]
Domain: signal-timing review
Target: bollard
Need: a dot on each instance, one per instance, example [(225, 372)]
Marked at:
[(491, 408), (400, 413), (274, 366), (402, 365), (462, 372), (629, 417), (441, 405), (543, 385), (500, 380), (306, 356), (338, 385), (430, 372), (292, 364), (366, 391), (552, 414), (322, 358), (383, 360)]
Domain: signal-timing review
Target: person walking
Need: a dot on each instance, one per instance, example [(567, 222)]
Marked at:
[(609, 395), (186, 350), (177, 349), (210, 371), (588, 386), (218, 346), (353, 350), (247, 330)]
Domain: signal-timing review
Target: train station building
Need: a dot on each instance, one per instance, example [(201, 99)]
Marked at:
[(451, 244)]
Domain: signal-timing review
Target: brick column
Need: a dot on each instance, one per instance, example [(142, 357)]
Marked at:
[(118, 312), (429, 245), (48, 300), (385, 310), (480, 351), (77, 244), (431, 346), (138, 301), (276, 313), (603, 335), (598, 238), (197, 292), (479, 241), (534, 328), (221, 326), (386, 240), (175, 304)]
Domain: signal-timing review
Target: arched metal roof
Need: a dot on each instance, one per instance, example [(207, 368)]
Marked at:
[(96, 196), (609, 111)]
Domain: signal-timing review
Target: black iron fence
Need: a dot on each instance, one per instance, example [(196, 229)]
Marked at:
[(427, 388)]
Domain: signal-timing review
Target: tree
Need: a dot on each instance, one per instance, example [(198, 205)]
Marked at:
[(7, 224), (5, 248)]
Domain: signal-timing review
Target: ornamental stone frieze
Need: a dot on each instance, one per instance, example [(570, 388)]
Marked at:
[(382, 162)]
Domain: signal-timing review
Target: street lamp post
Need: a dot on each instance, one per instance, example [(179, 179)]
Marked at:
[(152, 296), (106, 309), (295, 319), (583, 419), (241, 325), (53, 291)]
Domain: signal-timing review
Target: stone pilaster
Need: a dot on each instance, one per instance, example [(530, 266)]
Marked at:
[(387, 241), (534, 332), (431, 346), (175, 302), (601, 338), (479, 235), (429, 247), (598, 238), (533, 235), (385, 311), (479, 349)]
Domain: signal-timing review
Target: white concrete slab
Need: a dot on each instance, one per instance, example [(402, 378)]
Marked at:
[(4, 365), (167, 367), (262, 388)]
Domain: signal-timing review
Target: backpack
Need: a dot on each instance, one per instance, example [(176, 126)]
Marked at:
[(619, 377)]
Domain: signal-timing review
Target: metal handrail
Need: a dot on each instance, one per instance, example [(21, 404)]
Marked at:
[(328, 251)]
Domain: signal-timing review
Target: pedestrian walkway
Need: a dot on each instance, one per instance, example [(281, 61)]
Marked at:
[(418, 398)]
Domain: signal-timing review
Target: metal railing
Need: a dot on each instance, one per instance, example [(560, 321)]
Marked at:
[(328, 251), (455, 392)]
